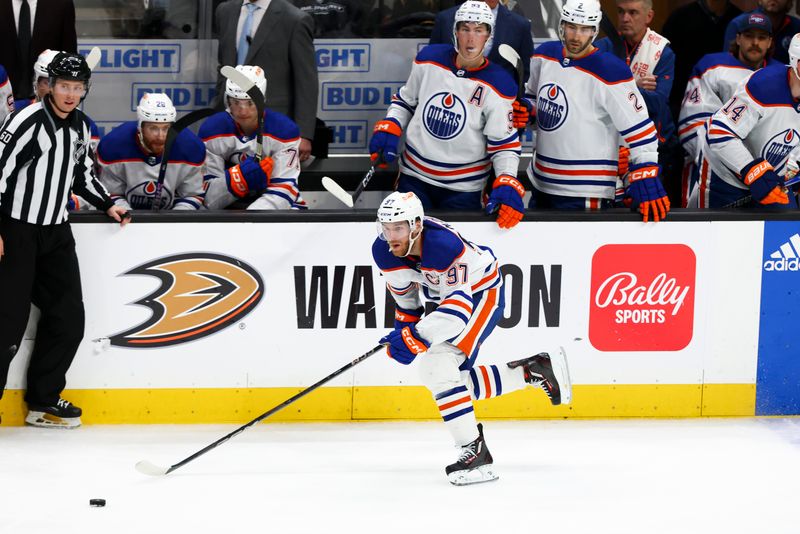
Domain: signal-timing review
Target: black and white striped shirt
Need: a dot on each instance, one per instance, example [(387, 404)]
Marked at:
[(42, 158)]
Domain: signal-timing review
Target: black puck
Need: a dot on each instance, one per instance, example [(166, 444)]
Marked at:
[(97, 502)]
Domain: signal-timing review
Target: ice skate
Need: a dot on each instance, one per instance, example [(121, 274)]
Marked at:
[(474, 465), (551, 373), (63, 415)]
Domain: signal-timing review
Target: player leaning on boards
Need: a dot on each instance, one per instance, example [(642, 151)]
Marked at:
[(425, 258), (456, 111), (587, 104), (748, 142), (231, 136), (43, 155)]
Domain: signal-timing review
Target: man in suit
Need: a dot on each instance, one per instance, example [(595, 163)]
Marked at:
[(509, 28), (52, 26), (277, 37)]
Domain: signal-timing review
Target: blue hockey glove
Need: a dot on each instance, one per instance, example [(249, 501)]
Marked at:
[(644, 187), (764, 183), (385, 138), (506, 200), (405, 344), (248, 176), (404, 317)]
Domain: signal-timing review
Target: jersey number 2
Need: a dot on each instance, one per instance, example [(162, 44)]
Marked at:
[(635, 99)]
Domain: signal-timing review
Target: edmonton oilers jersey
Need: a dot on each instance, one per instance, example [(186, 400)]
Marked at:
[(131, 175), (6, 97), (450, 271), (585, 109), (227, 146), (714, 80), (761, 120), (458, 122)]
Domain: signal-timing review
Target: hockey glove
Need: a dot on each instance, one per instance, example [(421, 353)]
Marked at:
[(403, 317), (622, 164), (405, 344), (523, 113), (764, 183), (506, 200), (248, 176), (73, 203), (385, 138), (644, 187)]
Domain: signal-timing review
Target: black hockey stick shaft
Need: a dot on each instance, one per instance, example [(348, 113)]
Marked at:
[(177, 127), (363, 183), (277, 408), (512, 56)]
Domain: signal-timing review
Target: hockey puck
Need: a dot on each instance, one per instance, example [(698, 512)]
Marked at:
[(99, 503)]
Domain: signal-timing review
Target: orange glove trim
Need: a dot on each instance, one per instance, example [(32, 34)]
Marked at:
[(506, 179), (388, 126), (757, 172)]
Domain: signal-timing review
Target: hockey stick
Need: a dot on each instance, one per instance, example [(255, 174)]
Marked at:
[(249, 86), (339, 192), (177, 127), (511, 55), (148, 468)]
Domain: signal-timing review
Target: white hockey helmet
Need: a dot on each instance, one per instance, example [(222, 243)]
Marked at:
[(155, 107), (473, 11), (253, 73), (401, 207), (40, 67), (581, 12), (794, 53)]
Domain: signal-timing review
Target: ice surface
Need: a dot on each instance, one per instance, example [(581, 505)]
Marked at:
[(556, 477)]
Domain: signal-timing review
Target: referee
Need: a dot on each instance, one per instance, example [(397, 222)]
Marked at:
[(43, 156)]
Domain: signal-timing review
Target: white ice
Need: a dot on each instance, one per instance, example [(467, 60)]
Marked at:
[(556, 477)]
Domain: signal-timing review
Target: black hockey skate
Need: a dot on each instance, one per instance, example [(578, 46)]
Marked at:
[(63, 414), (474, 465), (549, 373)]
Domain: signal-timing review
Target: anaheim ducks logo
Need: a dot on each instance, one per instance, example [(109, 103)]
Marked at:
[(200, 293)]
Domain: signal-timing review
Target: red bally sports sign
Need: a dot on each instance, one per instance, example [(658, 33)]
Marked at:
[(642, 297)]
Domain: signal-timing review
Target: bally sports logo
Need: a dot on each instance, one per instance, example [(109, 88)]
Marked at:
[(199, 294), (642, 297)]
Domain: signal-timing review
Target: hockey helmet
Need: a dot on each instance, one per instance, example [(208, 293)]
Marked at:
[(794, 53), (473, 11), (44, 59), (253, 73), (155, 107), (581, 12), (401, 207), (69, 66)]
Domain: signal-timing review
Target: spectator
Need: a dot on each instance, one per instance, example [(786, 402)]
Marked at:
[(509, 28), (277, 37), (51, 27), (6, 96), (693, 31), (130, 160), (784, 26), (715, 79), (230, 138)]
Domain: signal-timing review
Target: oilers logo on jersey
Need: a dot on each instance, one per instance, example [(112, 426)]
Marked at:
[(141, 196), (551, 107), (445, 115), (779, 146)]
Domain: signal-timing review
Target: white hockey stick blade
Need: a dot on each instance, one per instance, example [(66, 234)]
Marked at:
[(93, 58), (337, 191), (237, 77), (508, 53), (148, 468), (561, 370)]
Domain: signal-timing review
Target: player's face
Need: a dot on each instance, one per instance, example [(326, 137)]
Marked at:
[(42, 86), (472, 39), (633, 18), (776, 7), (67, 94), (753, 46), (397, 235), (244, 111), (155, 135), (577, 38)]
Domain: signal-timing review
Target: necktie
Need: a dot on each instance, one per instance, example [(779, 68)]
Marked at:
[(24, 43), (244, 39)]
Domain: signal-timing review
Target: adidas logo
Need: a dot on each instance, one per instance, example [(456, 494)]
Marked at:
[(786, 258)]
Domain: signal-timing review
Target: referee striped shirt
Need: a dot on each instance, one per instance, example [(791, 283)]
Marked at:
[(42, 158)]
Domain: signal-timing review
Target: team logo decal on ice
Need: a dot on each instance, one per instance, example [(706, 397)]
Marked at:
[(786, 258), (777, 148), (444, 115), (642, 297), (199, 294), (551, 107)]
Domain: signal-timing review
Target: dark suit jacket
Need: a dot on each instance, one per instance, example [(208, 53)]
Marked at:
[(283, 46), (53, 28), (509, 28)]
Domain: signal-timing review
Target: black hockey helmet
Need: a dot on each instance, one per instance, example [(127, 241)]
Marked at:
[(69, 66)]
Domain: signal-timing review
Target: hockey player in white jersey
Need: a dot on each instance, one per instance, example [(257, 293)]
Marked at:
[(425, 259), (587, 105), (456, 112), (713, 81), (748, 142), (230, 137), (6, 96), (130, 159)]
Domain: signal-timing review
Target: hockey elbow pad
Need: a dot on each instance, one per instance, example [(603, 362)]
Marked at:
[(764, 183), (506, 200), (644, 187), (385, 138)]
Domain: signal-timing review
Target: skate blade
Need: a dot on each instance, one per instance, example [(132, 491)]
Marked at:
[(46, 420), (561, 370), (484, 473)]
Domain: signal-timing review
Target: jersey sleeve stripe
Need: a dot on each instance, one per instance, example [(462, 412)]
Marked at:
[(649, 131), (623, 133)]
